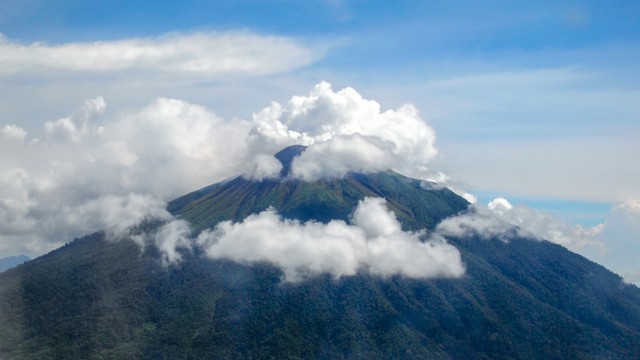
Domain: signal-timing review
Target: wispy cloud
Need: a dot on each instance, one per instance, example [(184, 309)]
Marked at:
[(207, 55), (499, 219)]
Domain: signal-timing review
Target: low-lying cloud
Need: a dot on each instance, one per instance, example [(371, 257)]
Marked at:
[(374, 243), (502, 220)]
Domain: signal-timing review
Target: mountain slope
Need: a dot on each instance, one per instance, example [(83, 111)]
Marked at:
[(320, 200), (520, 299)]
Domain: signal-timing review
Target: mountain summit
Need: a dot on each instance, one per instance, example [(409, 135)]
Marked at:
[(519, 298), (286, 156)]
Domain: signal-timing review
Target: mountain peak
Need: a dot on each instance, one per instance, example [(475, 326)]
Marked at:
[(286, 156)]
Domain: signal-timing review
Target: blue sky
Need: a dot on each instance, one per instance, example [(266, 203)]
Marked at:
[(538, 102)]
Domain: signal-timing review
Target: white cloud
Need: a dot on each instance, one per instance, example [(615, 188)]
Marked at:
[(201, 54), (346, 132), (89, 171), (629, 207), (264, 166), (94, 169), (172, 236), (500, 219), (373, 243), (78, 126), (614, 243), (116, 215), (14, 132), (621, 236), (477, 221), (171, 147)]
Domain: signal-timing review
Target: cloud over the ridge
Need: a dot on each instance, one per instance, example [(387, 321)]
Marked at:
[(374, 243), (346, 132), (502, 220), (99, 157), (199, 54)]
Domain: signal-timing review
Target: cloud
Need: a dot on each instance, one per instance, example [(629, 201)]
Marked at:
[(437, 179), (374, 242), (78, 126), (628, 208), (477, 222), (621, 236), (264, 166), (13, 132), (65, 183), (171, 237), (208, 55), (345, 132), (612, 243), (116, 215), (89, 171), (500, 219)]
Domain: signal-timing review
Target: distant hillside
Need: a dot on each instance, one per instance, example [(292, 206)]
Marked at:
[(12, 261)]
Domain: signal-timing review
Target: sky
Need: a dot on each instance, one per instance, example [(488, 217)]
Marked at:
[(537, 103)]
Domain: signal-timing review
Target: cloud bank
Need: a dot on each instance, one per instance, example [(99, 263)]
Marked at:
[(54, 183), (374, 243), (89, 172), (502, 220), (200, 54)]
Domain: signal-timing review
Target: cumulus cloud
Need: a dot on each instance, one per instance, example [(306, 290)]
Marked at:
[(14, 132), (199, 54), (374, 242), (500, 219), (88, 171), (346, 132), (64, 183)]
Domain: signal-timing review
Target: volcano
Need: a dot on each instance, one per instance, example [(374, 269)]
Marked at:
[(520, 298)]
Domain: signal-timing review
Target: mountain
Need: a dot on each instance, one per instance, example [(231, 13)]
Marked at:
[(519, 299), (320, 200), (12, 261)]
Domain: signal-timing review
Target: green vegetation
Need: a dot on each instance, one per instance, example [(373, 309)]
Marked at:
[(322, 200)]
